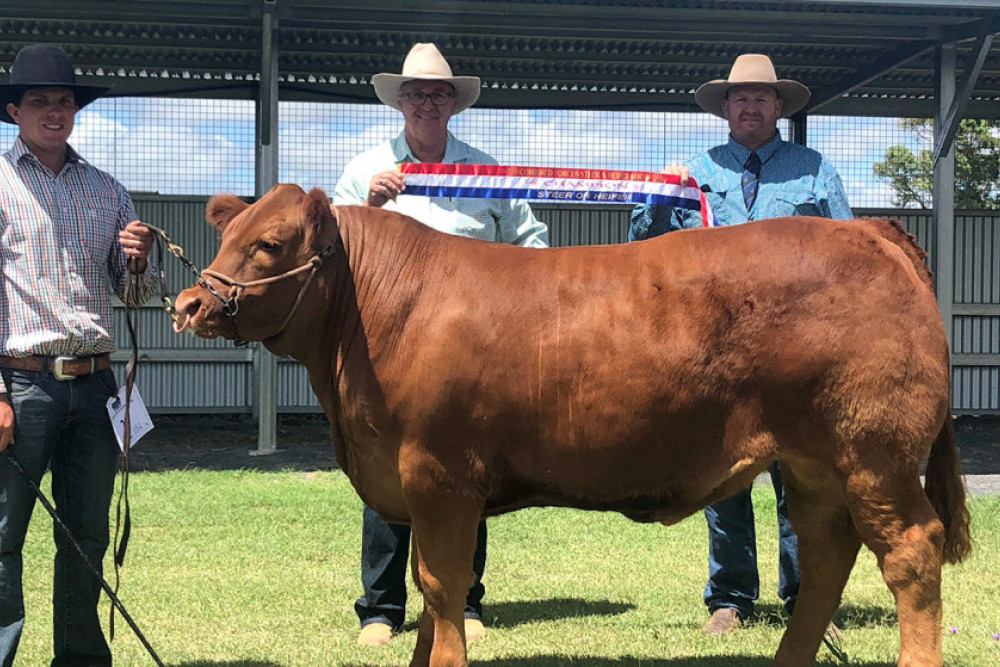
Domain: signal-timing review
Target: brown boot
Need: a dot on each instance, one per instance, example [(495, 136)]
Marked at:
[(375, 634), (723, 621)]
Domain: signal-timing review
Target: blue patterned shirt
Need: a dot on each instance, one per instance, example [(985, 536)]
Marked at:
[(794, 180), (504, 220), (60, 257)]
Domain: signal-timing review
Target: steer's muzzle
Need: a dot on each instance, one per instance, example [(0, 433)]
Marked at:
[(202, 313)]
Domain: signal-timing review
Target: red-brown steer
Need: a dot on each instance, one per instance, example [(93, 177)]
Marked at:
[(463, 379)]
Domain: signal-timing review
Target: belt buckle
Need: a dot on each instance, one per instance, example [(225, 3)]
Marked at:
[(57, 368)]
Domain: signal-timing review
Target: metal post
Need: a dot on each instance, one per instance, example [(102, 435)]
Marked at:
[(799, 129), (944, 190), (266, 364)]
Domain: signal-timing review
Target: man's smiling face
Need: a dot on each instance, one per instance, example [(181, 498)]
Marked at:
[(45, 117), (753, 112)]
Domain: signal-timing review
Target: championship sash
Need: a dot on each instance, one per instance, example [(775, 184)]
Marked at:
[(577, 186)]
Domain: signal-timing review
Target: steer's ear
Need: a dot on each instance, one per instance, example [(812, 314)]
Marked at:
[(319, 215), (221, 209)]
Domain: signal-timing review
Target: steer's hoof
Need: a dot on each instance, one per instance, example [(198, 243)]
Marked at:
[(375, 634), (723, 621), (474, 629)]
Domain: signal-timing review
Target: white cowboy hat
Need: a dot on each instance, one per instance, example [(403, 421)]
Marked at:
[(752, 68), (425, 62)]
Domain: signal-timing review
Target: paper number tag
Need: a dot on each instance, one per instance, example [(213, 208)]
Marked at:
[(138, 416)]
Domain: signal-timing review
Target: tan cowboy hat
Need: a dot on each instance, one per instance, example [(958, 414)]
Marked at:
[(44, 66), (752, 68), (426, 63)]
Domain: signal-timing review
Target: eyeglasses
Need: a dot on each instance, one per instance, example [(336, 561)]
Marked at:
[(418, 97)]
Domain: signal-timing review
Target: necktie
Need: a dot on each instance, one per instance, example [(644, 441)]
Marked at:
[(751, 173)]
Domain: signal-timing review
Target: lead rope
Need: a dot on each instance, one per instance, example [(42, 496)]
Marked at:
[(161, 239), (123, 514)]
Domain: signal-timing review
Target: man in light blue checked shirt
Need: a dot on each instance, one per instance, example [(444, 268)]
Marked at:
[(755, 175), (428, 95), (68, 238)]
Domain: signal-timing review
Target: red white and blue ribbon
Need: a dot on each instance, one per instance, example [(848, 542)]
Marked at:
[(577, 186)]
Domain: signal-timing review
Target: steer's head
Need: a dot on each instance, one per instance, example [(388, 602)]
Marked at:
[(269, 253)]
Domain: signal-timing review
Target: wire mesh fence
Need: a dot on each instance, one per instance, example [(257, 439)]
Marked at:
[(199, 147)]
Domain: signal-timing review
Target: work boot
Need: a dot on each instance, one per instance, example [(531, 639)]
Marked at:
[(375, 634), (474, 629), (723, 621)]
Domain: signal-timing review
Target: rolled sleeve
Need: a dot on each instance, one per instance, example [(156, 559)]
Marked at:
[(118, 262), (519, 226), (835, 199)]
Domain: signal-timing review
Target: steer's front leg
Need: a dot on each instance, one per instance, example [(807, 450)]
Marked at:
[(444, 539)]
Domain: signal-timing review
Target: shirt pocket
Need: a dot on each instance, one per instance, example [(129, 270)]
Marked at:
[(797, 198), (727, 205), (719, 200)]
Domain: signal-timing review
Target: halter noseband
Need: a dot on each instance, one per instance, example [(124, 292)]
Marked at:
[(231, 302)]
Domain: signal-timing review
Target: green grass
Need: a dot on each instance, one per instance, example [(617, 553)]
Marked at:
[(231, 569)]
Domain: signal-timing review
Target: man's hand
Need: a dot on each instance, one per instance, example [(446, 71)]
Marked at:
[(6, 422), (678, 170), (136, 240), (384, 186)]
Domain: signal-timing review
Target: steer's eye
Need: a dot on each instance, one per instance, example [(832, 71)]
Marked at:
[(269, 247)]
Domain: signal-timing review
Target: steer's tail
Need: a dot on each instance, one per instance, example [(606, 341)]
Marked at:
[(946, 491)]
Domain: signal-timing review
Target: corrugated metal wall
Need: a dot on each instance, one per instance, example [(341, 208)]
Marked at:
[(976, 336), (188, 374)]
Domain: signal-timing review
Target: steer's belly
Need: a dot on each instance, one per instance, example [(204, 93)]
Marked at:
[(650, 492)]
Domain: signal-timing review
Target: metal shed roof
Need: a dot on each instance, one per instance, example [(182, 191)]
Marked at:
[(871, 57)]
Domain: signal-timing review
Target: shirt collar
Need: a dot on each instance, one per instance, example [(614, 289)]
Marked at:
[(741, 152), (20, 151), (452, 150)]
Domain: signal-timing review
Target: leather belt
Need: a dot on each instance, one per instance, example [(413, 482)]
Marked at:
[(62, 368)]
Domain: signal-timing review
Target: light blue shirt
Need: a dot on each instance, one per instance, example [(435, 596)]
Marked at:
[(794, 180), (504, 220)]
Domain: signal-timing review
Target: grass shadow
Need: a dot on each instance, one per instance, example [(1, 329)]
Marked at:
[(512, 614), (560, 660), (847, 617), (224, 663)]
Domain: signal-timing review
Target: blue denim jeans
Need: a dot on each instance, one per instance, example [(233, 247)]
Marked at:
[(732, 553), (63, 426), (385, 548)]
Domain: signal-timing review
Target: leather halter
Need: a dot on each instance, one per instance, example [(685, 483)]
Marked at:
[(231, 302)]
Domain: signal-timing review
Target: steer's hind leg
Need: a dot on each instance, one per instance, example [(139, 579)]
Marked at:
[(897, 522), (444, 530), (828, 548)]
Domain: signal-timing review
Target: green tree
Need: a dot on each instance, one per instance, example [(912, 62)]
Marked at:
[(977, 166)]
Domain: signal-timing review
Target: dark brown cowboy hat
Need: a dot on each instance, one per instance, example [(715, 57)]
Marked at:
[(44, 66)]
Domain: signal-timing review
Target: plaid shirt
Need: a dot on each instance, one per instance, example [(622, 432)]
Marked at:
[(60, 256)]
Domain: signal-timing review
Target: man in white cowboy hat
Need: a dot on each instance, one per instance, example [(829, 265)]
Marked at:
[(428, 95), (754, 175), (68, 237)]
